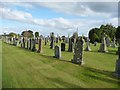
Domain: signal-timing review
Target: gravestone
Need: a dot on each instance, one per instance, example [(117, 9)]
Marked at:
[(52, 41), (33, 46), (57, 51), (70, 46), (40, 45), (52, 44), (14, 41), (57, 39), (30, 41), (23, 42), (88, 45), (117, 69), (27, 44), (103, 47), (108, 42), (45, 41), (62, 46), (78, 52)]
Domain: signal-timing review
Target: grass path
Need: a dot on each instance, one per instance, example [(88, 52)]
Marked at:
[(25, 69)]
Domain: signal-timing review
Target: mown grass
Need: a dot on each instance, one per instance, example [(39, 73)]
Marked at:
[(26, 69)]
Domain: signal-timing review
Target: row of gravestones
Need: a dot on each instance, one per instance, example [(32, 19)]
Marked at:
[(78, 49)]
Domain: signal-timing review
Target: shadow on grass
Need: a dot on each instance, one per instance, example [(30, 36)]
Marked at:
[(111, 78), (57, 81), (52, 57), (113, 52)]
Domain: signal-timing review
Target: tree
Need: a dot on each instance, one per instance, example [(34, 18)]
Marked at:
[(12, 34), (28, 33), (118, 34), (36, 34), (108, 29)]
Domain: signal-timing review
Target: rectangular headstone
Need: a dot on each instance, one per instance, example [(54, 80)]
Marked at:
[(57, 51), (62, 46)]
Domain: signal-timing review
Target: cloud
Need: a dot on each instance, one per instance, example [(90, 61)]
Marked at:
[(21, 16), (89, 9), (60, 24)]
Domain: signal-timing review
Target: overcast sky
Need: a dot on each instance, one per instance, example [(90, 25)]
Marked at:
[(62, 18)]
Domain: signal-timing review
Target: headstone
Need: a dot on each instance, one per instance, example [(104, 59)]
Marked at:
[(52, 44), (30, 42), (78, 52), (39, 45), (52, 41), (103, 47), (117, 69), (57, 52), (14, 41), (70, 46), (36, 40), (62, 46), (88, 45), (33, 45), (23, 42), (45, 41), (27, 44), (108, 42), (57, 39)]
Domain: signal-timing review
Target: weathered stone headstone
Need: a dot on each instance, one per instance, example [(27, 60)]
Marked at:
[(33, 46), (57, 39), (57, 52), (52, 41), (40, 45), (88, 45), (62, 46), (23, 42), (70, 46), (78, 52), (108, 42), (103, 47), (30, 42), (45, 41), (14, 41), (117, 69), (27, 44)]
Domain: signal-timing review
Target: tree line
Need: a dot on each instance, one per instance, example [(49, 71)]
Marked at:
[(95, 34)]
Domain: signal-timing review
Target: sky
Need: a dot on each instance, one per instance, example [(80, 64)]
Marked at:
[(62, 18)]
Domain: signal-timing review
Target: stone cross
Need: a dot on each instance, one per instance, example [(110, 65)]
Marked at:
[(78, 52), (57, 52)]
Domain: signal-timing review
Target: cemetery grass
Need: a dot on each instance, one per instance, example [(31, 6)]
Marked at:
[(22, 68)]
